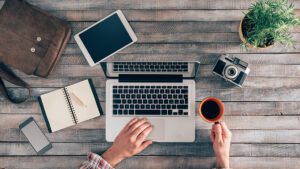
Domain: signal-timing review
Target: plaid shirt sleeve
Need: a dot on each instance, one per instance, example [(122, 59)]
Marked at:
[(95, 162)]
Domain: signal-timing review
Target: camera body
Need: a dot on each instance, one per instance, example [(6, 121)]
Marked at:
[(232, 69)]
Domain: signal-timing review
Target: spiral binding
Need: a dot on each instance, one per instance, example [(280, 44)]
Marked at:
[(70, 106)]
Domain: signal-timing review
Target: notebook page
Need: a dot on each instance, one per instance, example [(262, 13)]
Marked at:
[(57, 110), (83, 101)]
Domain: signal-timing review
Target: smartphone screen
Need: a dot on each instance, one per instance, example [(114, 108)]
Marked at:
[(35, 136)]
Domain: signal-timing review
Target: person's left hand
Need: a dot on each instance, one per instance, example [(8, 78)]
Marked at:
[(130, 141)]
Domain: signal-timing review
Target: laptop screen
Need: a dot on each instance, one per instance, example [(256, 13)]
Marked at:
[(115, 69)]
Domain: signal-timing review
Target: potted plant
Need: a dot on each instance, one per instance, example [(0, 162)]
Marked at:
[(268, 22)]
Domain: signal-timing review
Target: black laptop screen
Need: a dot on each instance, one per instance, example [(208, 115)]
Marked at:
[(105, 38)]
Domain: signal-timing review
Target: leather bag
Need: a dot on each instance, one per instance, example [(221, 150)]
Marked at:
[(31, 41)]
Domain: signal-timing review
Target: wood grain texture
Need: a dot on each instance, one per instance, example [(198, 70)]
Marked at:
[(203, 82), (257, 70), (146, 162), (234, 122), (230, 94), (231, 108), (149, 4), (260, 59), (156, 15), (164, 149), (176, 27), (187, 49), (202, 136)]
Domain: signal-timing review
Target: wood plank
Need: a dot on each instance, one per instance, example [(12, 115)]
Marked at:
[(149, 4), (172, 149), (230, 94), (84, 71), (174, 38), (177, 27), (156, 15), (264, 59), (202, 136), (146, 162), (10, 121), (188, 37), (232, 108), (187, 49), (203, 82)]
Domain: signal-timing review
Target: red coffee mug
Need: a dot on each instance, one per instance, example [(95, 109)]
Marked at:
[(220, 113)]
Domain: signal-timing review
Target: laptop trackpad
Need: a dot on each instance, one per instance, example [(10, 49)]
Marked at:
[(158, 131)]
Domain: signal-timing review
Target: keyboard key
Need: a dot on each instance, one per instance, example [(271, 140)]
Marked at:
[(180, 112), (116, 96), (117, 101), (164, 112), (115, 112), (184, 91), (182, 106), (169, 112), (147, 112), (120, 112), (131, 112)]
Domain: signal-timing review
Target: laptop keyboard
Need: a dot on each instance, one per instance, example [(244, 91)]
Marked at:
[(150, 100), (150, 66)]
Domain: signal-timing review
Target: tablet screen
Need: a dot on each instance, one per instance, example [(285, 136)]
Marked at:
[(105, 38)]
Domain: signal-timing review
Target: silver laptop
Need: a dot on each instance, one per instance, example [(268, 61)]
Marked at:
[(163, 92)]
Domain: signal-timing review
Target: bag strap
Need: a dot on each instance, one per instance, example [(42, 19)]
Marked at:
[(7, 74)]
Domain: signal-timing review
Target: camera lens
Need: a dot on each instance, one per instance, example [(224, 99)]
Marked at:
[(231, 72)]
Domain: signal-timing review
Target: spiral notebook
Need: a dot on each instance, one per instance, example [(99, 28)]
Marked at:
[(70, 105)]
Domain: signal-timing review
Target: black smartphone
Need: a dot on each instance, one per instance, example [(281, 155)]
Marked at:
[(35, 136)]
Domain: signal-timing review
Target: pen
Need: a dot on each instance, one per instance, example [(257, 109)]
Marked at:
[(80, 101)]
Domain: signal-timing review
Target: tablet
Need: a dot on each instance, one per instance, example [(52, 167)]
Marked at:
[(105, 38)]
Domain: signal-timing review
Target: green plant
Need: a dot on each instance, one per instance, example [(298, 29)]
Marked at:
[(269, 21)]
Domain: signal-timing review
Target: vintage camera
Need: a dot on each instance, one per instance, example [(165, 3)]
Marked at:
[(232, 69)]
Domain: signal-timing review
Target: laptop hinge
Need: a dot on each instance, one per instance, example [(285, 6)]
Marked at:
[(150, 78)]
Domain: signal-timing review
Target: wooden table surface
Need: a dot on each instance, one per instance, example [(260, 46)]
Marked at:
[(264, 115)]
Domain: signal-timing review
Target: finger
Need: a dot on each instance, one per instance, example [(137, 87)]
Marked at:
[(143, 135), (218, 133), (225, 130), (145, 144), (212, 134), (132, 121), (140, 129), (137, 124)]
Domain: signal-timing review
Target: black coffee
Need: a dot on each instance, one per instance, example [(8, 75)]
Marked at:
[(210, 110)]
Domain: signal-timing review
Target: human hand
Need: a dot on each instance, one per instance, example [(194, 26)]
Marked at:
[(130, 141), (220, 136)]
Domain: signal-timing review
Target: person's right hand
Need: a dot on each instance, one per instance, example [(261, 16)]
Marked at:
[(221, 137), (130, 141)]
